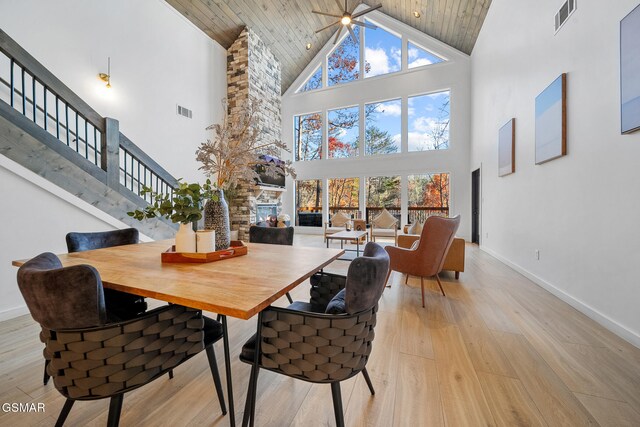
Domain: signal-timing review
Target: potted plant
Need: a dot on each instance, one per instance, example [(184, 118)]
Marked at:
[(231, 157), (184, 206)]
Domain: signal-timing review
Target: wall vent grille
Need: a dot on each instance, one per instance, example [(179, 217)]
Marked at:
[(183, 111), (565, 11)]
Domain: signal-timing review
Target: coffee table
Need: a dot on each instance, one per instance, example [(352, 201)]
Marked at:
[(348, 235)]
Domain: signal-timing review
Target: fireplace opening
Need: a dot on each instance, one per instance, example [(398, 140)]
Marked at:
[(263, 211)]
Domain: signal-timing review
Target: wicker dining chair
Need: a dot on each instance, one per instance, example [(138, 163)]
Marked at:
[(119, 305), (272, 236), (92, 358), (327, 340)]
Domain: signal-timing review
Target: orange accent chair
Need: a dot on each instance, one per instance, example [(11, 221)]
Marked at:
[(427, 258)]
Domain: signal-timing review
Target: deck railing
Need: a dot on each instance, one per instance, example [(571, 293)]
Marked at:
[(89, 140), (416, 213)]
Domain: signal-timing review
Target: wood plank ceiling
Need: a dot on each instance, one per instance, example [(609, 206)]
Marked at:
[(286, 26)]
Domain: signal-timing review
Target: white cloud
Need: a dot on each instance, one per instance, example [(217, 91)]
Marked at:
[(391, 109), (424, 124), (396, 54), (413, 53), (420, 62), (378, 60), (396, 138)]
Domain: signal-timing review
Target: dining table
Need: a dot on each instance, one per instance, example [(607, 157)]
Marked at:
[(240, 287)]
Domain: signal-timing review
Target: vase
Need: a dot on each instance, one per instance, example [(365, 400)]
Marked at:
[(186, 238), (216, 217)]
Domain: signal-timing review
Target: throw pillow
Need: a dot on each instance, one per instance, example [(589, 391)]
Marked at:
[(384, 220), (415, 228), (339, 220), (337, 305)]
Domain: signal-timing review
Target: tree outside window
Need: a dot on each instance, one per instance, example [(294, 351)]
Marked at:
[(308, 136), (428, 195), (429, 119), (344, 195), (309, 203)]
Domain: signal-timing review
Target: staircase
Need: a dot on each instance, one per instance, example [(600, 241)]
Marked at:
[(48, 129)]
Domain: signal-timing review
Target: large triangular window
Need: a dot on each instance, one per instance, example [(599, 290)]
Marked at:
[(382, 51), (343, 64), (313, 82), (419, 57)]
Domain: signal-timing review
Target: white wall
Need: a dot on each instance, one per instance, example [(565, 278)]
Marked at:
[(158, 59), (579, 211), (453, 75)]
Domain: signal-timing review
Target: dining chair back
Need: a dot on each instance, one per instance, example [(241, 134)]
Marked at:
[(92, 358), (319, 346), (271, 235)]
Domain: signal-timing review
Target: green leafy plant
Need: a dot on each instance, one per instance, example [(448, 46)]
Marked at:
[(184, 206)]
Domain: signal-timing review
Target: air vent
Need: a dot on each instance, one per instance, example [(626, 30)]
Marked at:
[(565, 12), (184, 112)]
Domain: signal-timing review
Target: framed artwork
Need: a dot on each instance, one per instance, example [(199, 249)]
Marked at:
[(630, 72), (551, 121), (507, 148)]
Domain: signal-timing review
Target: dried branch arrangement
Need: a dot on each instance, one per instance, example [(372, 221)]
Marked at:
[(235, 149)]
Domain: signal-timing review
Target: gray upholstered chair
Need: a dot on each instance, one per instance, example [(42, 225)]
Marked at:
[(120, 305), (89, 357), (272, 236), (327, 340)]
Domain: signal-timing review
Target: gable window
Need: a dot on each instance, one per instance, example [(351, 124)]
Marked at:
[(382, 52), (308, 136), (343, 132), (428, 120), (344, 196), (383, 127), (313, 82), (382, 192), (309, 203), (428, 196), (419, 57), (343, 64)]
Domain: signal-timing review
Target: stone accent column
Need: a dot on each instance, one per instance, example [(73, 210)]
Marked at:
[(253, 72)]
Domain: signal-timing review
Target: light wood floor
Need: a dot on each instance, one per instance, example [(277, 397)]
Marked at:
[(498, 350)]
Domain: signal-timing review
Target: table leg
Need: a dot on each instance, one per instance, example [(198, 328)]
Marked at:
[(341, 244), (227, 365), (358, 247), (327, 242)]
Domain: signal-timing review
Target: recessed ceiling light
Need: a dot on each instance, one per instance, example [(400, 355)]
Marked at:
[(416, 13), (308, 46)]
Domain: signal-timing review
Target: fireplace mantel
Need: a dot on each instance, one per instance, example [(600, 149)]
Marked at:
[(259, 189)]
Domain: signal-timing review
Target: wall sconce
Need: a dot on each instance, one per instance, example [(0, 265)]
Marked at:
[(107, 77)]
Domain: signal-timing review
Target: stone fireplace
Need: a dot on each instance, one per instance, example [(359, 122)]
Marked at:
[(253, 72)]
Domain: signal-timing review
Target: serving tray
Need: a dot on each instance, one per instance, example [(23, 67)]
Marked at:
[(237, 248)]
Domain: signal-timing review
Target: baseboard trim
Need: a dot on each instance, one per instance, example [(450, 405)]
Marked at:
[(13, 312), (586, 309)]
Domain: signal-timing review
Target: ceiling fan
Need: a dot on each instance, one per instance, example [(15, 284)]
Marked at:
[(347, 19)]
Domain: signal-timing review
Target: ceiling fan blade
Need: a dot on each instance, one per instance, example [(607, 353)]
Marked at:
[(326, 14), (338, 35), (353, 35), (328, 26), (366, 11), (340, 5), (363, 24)]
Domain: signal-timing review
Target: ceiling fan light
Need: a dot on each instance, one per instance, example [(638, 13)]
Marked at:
[(346, 20)]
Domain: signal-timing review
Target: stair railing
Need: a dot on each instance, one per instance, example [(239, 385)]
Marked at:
[(96, 143)]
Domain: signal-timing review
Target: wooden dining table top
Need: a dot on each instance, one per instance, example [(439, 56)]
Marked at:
[(238, 287)]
